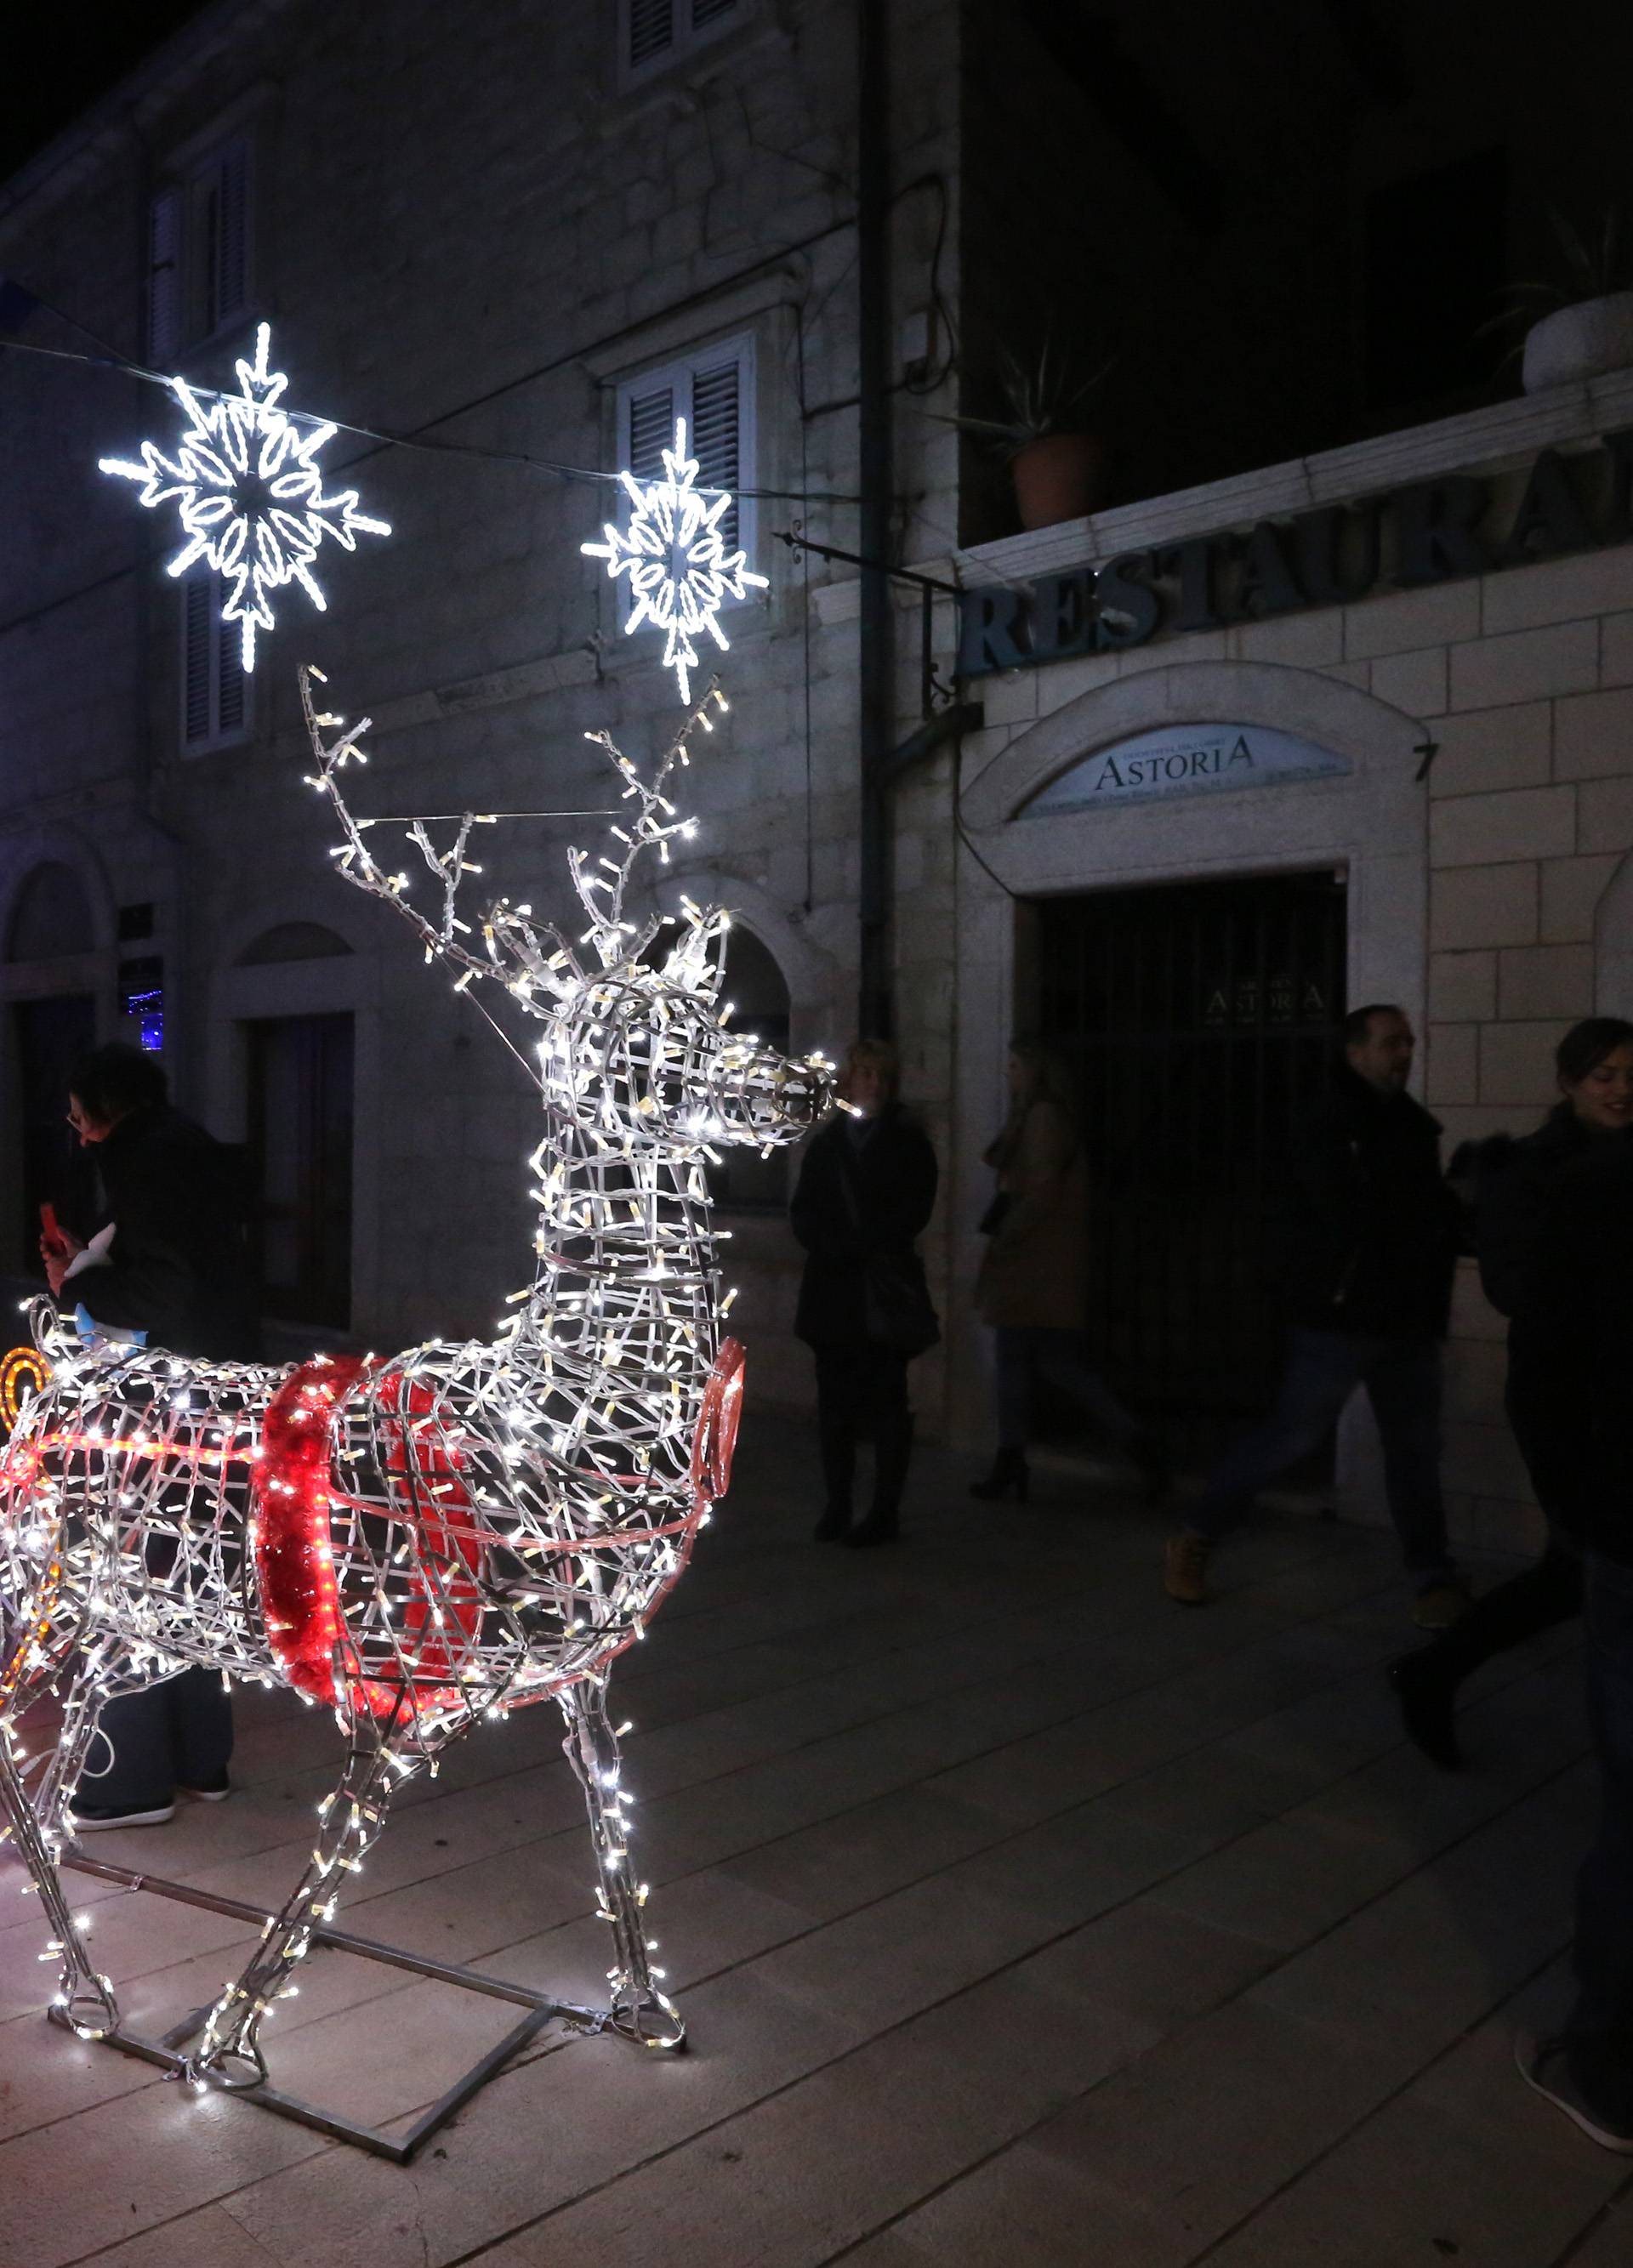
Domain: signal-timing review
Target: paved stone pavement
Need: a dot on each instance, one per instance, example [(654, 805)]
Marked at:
[(1019, 1918)]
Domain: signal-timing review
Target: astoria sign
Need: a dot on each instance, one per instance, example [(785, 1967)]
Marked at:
[(1184, 760), (1432, 531)]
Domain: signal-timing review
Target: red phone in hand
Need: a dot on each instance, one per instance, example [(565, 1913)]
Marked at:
[(51, 1235)]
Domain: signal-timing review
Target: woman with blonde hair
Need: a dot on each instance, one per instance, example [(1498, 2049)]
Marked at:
[(1034, 1274), (865, 1190)]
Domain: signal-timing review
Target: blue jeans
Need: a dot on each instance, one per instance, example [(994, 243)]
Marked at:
[(176, 1734), (1402, 1380), (1600, 2028), (1027, 1351)]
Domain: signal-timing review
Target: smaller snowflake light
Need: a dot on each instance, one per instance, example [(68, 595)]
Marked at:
[(680, 572), (250, 492)]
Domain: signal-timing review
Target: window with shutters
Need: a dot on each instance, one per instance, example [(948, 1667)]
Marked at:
[(713, 390), (654, 34), (199, 252), (215, 692)]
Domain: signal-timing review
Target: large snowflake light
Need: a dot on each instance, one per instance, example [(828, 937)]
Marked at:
[(250, 493), (680, 572)]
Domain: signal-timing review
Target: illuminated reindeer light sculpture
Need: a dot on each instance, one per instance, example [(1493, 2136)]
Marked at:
[(423, 1540)]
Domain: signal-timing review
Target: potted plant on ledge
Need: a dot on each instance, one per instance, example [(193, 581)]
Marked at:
[(1581, 322), (1055, 458)]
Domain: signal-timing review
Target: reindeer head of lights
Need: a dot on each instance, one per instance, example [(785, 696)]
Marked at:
[(423, 1540)]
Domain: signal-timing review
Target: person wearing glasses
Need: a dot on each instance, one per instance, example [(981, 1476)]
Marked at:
[(168, 1268)]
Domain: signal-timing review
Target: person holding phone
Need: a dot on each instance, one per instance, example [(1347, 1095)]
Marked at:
[(168, 1268)]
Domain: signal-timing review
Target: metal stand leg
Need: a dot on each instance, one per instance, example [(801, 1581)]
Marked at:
[(350, 1819), (639, 2010), (85, 1998), (168, 2054)]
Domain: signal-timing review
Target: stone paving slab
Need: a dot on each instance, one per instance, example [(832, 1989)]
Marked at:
[(1019, 1916)]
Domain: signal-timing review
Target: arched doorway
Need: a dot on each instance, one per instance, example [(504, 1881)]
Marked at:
[(1189, 916), (299, 1125), (744, 1180)]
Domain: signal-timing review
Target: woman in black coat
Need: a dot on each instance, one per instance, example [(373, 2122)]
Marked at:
[(1515, 1183), (865, 1190), (175, 1272)]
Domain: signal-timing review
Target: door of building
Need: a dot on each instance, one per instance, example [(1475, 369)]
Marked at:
[(1200, 1020), (299, 1121), (51, 1036)]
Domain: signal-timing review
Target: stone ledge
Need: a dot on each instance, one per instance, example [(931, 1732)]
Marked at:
[(1479, 440)]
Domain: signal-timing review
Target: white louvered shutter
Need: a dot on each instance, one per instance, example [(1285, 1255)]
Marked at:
[(709, 11), (651, 30), (651, 431), (715, 437), (231, 690), (215, 692), (225, 212), (199, 631), (164, 277)]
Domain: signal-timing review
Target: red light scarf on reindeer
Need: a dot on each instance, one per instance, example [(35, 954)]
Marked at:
[(294, 1495)]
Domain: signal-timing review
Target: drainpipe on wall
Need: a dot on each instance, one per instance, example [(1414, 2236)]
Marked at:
[(876, 655)]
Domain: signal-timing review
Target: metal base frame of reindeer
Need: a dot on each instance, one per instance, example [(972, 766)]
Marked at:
[(428, 1539)]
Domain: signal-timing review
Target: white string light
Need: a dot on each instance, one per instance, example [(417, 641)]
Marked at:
[(428, 1540), (249, 493), (680, 573)]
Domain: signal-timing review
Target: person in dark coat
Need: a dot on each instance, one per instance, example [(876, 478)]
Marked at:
[(1570, 1359), (169, 1265), (1373, 1234), (865, 1193), (1514, 1182), (1034, 1277)]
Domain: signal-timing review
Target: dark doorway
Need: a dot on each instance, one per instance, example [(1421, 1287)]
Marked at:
[(299, 1123), (51, 1036), (1201, 1021)]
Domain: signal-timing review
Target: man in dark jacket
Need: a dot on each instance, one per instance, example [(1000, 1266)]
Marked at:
[(865, 1190), (169, 1265), (1372, 1242), (1513, 1186), (1571, 1360)]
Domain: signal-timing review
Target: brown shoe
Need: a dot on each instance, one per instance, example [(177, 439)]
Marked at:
[(1440, 1606), (1185, 1569)]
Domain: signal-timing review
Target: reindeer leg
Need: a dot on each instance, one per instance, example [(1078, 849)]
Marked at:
[(82, 1712), (85, 1998), (639, 2010), (350, 1819)]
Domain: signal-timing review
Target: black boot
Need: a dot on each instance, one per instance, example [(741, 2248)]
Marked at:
[(892, 1447), (836, 1437), (1154, 1469), (1427, 1691), (1008, 1476)]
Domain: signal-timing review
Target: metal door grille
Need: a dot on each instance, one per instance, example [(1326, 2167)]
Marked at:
[(1201, 1021)]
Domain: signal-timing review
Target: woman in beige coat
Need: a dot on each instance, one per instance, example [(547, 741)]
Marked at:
[(1032, 1278)]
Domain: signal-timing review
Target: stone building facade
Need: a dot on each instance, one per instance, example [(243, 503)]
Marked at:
[(502, 232), (506, 230), (1480, 826)]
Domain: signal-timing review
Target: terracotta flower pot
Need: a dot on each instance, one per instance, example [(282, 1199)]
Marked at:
[(1585, 341), (1062, 476)]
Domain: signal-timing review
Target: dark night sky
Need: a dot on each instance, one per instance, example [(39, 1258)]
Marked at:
[(59, 58)]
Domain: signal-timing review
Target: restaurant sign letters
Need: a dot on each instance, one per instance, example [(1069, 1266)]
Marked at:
[(1432, 531)]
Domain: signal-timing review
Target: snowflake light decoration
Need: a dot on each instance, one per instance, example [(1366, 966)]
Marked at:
[(680, 572), (249, 492)]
